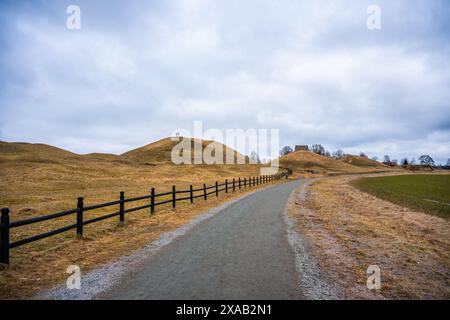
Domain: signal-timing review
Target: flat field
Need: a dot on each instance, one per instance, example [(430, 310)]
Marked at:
[(429, 193)]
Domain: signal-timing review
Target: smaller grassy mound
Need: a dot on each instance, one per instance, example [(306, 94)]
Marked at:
[(161, 151), (34, 152), (426, 192), (311, 160), (362, 162)]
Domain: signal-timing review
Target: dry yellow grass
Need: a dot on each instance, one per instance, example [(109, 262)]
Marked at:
[(348, 230), (363, 162), (307, 160), (40, 179), (161, 150)]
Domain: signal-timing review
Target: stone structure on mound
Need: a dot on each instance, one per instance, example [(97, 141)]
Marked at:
[(301, 147)]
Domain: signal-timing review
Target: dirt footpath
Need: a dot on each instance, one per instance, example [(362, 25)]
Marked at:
[(347, 230)]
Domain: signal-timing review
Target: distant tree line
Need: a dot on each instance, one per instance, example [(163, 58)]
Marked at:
[(286, 150), (424, 160)]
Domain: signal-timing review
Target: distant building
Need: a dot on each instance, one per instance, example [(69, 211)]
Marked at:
[(302, 147)]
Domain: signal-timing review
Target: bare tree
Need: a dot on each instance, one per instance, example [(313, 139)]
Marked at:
[(254, 157), (426, 160), (387, 160), (286, 150), (362, 154), (318, 148), (404, 162), (338, 154)]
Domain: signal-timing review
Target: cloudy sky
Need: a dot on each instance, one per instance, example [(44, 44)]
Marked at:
[(138, 70)]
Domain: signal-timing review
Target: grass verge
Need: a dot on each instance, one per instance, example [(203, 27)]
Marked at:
[(347, 230), (424, 192)]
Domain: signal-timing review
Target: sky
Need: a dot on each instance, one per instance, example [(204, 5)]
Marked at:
[(136, 71)]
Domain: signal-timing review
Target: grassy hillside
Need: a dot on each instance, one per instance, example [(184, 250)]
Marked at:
[(307, 160), (29, 152), (160, 151), (363, 162), (424, 192), (38, 178)]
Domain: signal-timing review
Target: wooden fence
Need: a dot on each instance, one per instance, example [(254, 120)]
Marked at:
[(80, 210)]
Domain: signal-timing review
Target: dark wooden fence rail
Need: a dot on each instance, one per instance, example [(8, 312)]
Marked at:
[(81, 209)]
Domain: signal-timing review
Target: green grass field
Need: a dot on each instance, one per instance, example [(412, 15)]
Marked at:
[(427, 193)]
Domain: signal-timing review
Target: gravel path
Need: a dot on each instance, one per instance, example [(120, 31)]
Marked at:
[(242, 252)]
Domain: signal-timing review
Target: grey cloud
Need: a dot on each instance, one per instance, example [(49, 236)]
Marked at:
[(138, 70)]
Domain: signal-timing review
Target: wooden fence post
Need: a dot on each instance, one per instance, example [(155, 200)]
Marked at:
[(4, 236), (204, 191), (122, 207), (174, 200), (239, 182), (152, 201), (234, 184), (217, 189), (245, 182), (226, 185), (80, 206), (191, 194)]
